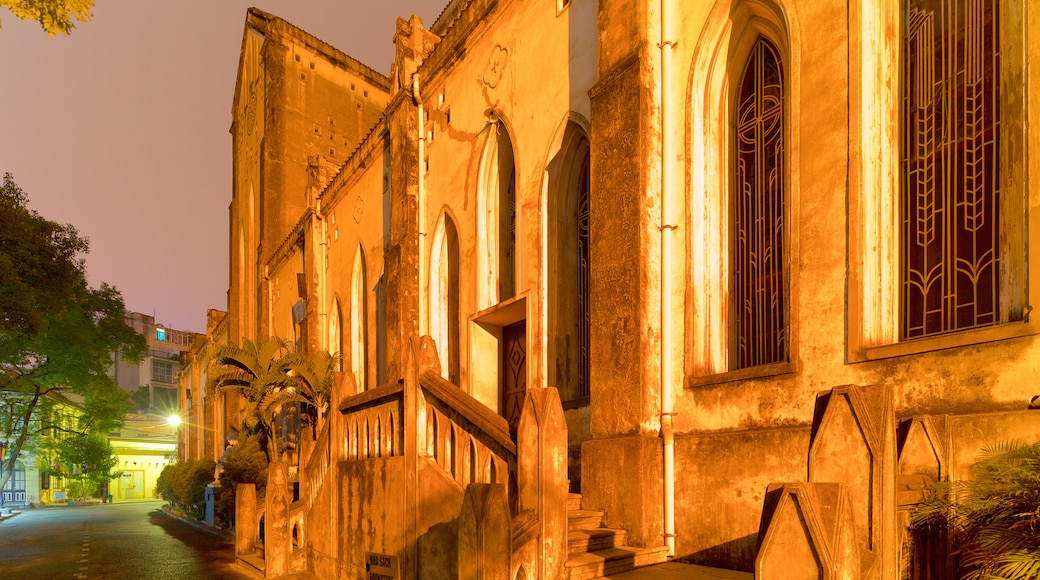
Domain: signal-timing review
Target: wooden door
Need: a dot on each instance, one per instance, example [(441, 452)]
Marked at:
[(514, 372)]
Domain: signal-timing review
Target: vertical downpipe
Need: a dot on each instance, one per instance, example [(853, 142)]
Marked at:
[(424, 320), (668, 228)]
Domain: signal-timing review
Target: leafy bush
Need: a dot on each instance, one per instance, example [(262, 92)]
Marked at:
[(244, 463), (995, 517), (184, 484)]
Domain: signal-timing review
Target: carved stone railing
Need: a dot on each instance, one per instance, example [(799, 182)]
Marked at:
[(318, 464), (372, 421), (466, 439)]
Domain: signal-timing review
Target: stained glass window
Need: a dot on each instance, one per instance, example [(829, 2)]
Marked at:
[(759, 291)]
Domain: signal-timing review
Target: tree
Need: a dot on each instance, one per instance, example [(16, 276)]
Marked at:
[(58, 335), (55, 16), (995, 517), (92, 456), (259, 371), (312, 377)]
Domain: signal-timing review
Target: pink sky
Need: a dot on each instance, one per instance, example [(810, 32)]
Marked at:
[(121, 129)]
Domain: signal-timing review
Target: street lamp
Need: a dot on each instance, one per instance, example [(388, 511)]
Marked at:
[(173, 421)]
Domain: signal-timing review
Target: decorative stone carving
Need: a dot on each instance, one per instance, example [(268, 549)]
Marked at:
[(485, 533), (807, 531), (495, 67)]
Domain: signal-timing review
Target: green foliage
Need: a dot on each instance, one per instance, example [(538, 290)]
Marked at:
[(58, 335), (184, 484), (245, 462), (994, 517), (164, 483), (269, 375), (55, 16), (93, 455)]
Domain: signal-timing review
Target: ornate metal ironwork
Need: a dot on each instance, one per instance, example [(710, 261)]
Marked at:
[(951, 183), (759, 248), (583, 280)]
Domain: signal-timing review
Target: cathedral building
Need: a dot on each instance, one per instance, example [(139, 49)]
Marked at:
[(614, 282)]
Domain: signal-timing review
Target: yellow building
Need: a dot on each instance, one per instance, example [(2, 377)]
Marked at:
[(144, 446)]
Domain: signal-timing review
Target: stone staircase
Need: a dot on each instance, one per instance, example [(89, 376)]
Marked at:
[(594, 551)]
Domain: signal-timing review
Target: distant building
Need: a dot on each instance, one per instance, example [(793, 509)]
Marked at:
[(38, 477), (144, 446), (153, 381)]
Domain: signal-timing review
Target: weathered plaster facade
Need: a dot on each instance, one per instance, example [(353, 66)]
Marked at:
[(442, 255)]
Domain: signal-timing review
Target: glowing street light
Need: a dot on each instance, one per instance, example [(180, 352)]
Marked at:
[(173, 420)]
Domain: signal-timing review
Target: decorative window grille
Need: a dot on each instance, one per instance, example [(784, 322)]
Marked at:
[(951, 183), (583, 280), (759, 285)]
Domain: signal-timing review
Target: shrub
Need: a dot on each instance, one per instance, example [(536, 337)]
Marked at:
[(184, 483), (995, 517), (243, 463)]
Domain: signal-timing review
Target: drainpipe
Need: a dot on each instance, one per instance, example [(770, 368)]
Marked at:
[(424, 321), (668, 228)]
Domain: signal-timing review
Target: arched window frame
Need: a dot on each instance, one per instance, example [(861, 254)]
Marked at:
[(335, 338), (444, 296), (731, 32), (497, 276), (358, 321)]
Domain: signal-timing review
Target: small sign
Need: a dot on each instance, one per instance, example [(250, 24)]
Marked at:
[(59, 495), (382, 566), (128, 475)]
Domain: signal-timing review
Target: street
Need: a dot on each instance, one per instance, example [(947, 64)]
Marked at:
[(133, 541)]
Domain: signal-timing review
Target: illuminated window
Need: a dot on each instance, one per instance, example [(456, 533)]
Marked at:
[(162, 371), (160, 334)]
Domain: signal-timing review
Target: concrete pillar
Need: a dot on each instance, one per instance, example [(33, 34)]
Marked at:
[(853, 443), (245, 518), (485, 533), (806, 533), (276, 521), (542, 476), (622, 463)]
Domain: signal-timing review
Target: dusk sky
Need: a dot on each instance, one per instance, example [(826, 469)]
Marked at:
[(121, 129)]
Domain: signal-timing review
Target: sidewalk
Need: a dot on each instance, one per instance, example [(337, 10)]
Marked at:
[(681, 571)]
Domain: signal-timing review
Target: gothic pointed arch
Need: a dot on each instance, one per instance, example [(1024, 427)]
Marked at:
[(568, 264), (740, 121), (335, 338), (444, 296), (496, 219), (358, 321)]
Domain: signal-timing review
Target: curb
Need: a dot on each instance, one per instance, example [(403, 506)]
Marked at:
[(225, 535)]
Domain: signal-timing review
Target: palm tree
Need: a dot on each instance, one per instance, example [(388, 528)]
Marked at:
[(994, 517), (260, 372), (312, 377)]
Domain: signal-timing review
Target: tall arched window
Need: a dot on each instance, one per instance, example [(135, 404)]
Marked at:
[(758, 244), (358, 327), (568, 265), (496, 259), (444, 297), (336, 333)]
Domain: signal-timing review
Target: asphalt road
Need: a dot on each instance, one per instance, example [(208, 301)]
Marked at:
[(135, 541)]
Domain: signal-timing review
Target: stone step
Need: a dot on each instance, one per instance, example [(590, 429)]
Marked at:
[(613, 561), (583, 520), (581, 541), (573, 501)]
